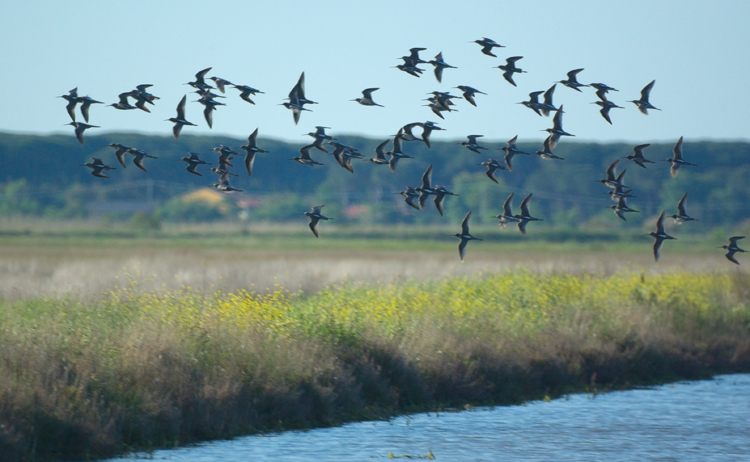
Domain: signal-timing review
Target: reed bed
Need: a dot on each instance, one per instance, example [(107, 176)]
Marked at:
[(142, 368)]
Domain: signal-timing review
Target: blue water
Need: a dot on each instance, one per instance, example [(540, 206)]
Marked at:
[(687, 421)]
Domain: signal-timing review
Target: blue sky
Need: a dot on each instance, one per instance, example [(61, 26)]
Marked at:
[(698, 55)]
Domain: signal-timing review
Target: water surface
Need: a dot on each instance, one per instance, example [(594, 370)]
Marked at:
[(687, 421)]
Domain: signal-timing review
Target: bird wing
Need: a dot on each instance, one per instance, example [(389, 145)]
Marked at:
[(508, 157), (208, 114), (557, 120), (314, 225), (677, 151), (674, 169), (176, 130), (660, 224), (508, 75), (427, 178), (522, 226), (572, 75), (439, 203), (462, 248), (508, 206), (730, 256), (200, 76), (657, 248), (733, 240), (181, 108), (638, 150), (681, 205), (646, 91), (525, 206), (512, 142), (491, 174), (251, 138), (465, 224), (605, 113), (138, 161), (249, 160), (611, 170), (512, 60), (380, 149), (548, 95)]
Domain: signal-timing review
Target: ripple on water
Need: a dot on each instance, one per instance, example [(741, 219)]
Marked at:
[(687, 421)]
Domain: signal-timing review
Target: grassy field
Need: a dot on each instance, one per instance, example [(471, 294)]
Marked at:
[(142, 368), (85, 259)]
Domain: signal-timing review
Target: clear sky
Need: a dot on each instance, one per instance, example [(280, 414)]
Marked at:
[(698, 52)]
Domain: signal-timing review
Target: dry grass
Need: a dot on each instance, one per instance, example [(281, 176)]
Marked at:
[(144, 368)]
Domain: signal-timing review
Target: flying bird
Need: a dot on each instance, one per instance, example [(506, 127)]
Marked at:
[(468, 93), (659, 236), (251, 149), (643, 103), (366, 99), (488, 45), (572, 80), (96, 166), (472, 144), (465, 236), (682, 216), (637, 156), (676, 160), (180, 120), (315, 217), (72, 99), (439, 66), (733, 248), (193, 162), (525, 216), (510, 68), (80, 127)]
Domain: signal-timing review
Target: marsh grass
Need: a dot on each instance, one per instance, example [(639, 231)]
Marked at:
[(143, 368)]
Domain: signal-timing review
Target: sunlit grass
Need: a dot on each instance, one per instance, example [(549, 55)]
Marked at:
[(144, 367)]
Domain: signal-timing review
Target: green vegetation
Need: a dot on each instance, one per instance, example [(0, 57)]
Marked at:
[(145, 369)]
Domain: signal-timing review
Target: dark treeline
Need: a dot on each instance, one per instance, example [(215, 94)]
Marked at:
[(43, 177)]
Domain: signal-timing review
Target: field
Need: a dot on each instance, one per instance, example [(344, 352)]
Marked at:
[(112, 339)]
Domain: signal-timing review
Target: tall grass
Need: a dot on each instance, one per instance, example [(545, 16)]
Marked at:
[(143, 368)]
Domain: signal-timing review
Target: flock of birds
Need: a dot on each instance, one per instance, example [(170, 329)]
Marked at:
[(439, 103)]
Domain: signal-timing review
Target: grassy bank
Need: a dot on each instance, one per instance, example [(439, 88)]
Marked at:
[(143, 369)]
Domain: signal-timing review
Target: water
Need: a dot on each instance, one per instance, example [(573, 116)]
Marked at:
[(686, 421)]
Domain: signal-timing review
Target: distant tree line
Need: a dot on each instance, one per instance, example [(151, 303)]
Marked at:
[(43, 177)]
